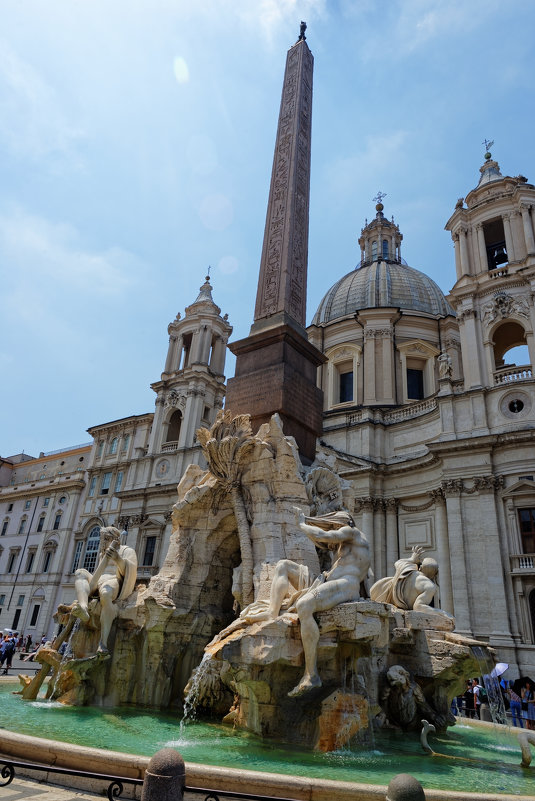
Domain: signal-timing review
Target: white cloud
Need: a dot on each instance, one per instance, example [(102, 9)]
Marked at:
[(181, 69), (32, 120), (50, 279)]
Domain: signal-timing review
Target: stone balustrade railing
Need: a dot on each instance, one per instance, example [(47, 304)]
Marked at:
[(511, 374), (523, 562), (396, 415), (169, 447), (498, 272)]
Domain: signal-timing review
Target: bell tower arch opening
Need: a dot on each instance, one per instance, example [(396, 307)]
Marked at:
[(510, 346), (173, 427)]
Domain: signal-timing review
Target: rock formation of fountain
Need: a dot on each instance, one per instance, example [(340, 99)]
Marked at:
[(379, 665)]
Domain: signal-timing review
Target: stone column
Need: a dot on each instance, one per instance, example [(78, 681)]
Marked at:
[(491, 562), (443, 550), (465, 260), (217, 362), (528, 228), (388, 371), (196, 347), (379, 545), (459, 580), (482, 248), (392, 548), (367, 526), (457, 247), (509, 239), (369, 366), (469, 343), (170, 354)]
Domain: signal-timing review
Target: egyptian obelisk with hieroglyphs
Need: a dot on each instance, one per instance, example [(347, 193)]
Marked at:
[(276, 365)]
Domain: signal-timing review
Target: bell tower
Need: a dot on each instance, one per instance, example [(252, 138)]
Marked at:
[(192, 385), (493, 233)]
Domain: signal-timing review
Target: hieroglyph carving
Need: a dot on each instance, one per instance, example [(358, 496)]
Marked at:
[(282, 282)]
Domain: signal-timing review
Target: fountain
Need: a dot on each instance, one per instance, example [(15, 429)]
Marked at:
[(374, 669)]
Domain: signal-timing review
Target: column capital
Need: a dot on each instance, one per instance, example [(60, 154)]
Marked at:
[(452, 487)]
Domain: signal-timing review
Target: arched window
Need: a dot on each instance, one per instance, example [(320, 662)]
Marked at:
[(510, 346), (22, 526), (126, 441), (57, 521), (100, 448), (92, 548), (41, 523), (374, 250), (173, 429), (385, 248), (5, 524), (113, 446)]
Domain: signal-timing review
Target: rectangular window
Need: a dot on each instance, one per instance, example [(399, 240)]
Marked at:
[(92, 487), (2, 600), (346, 387), (5, 524), (527, 529), (35, 614), (10, 507), (77, 555), (46, 563), (41, 523), (46, 501), (27, 504), (118, 481), (20, 602), (105, 485), (150, 547), (29, 562), (22, 526), (16, 617), (11, 562), (415, 384), (126, 440)]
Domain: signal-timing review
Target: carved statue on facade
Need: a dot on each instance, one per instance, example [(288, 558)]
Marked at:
[(339, 584), (113, 580), (445, 367), (413, 585)]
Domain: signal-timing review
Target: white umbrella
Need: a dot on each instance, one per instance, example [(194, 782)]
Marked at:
[(500, 668)]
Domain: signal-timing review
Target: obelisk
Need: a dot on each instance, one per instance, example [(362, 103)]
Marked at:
[(276, 365)]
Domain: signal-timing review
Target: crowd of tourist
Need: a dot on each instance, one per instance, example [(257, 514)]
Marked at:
[(518, 698)]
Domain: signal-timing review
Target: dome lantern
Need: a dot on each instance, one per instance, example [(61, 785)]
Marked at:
[(380, 240)]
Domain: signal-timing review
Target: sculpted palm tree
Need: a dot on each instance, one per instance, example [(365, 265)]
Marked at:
[(225, 445)]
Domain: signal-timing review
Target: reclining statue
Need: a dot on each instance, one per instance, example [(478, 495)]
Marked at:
[(339, 584), (113, 580), (413, 585)]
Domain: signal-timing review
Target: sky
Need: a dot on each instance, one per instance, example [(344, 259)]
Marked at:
[(136, 143)]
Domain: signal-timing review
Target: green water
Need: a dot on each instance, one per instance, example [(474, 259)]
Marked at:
[(485, 761)]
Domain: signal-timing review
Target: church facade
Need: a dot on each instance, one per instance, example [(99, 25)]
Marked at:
[(429, 408)]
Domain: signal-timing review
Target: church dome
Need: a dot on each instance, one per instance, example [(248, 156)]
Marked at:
[(383, 278), (378, 284)]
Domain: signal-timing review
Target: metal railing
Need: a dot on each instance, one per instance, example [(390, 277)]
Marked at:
[(116, 784)]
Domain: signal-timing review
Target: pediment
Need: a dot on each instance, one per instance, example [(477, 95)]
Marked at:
[(522, 487), (152, 522)]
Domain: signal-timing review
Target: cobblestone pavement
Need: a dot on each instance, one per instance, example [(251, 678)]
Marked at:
[(29, 789)]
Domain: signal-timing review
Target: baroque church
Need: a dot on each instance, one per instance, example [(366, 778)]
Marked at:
[(414, 398)]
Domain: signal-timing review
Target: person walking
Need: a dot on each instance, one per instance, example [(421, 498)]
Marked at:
[(468, 698), (477, 700), (528, 705), (515, 705)]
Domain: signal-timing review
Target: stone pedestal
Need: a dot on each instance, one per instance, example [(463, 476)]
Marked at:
[(276, 373)]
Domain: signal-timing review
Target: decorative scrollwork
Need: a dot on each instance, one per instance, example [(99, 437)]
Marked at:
[(8, 773), (115, 789)]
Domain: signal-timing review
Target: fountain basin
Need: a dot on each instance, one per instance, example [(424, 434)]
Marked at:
[(278, 770)]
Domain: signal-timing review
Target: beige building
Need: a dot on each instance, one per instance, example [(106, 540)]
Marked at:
[(40, 504), (430, 408)]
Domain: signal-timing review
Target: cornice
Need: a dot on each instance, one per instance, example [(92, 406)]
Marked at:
[(23, 490)]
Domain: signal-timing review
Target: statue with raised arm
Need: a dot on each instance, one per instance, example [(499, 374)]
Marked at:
[(113, 580), (337, 585), (413, 585)]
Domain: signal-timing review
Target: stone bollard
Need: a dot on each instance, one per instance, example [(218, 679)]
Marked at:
[(165, 777), (404, 787)]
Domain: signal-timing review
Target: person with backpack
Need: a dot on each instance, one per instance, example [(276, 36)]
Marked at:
[(7, 650)]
